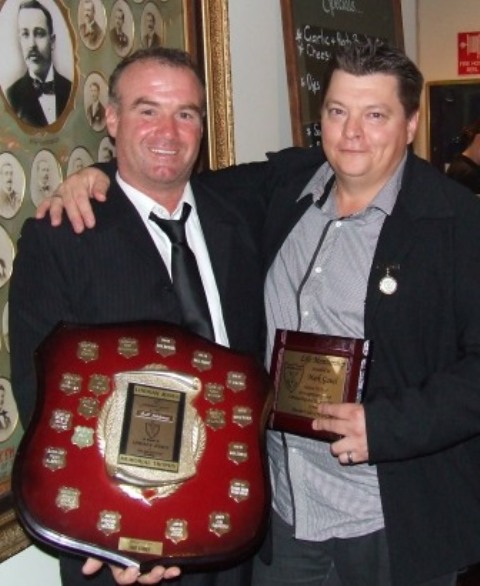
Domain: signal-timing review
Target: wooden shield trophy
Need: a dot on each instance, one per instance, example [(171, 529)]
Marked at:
[(146, 447)]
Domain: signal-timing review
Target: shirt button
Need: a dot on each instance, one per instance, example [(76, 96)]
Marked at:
[(318, 270), (338, 224), (306, 313)]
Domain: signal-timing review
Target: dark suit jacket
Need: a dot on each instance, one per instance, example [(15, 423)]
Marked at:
[(119, 40), (97, 120), (423, 395), (155, 41), (114, 273), (23, 99)]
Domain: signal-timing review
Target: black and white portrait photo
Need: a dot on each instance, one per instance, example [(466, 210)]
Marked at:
[(95, 99), (37, 77), (45, 175), (6, 256), (92, 22), (8, 410), (106, 150), (79, 159), (121, 28), (152, 27), (12, 185)]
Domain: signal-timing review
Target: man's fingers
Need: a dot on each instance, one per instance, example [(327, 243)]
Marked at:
[(100, 188), (91, 566)]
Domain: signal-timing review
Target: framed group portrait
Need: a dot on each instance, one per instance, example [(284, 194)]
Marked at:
[(50, 130)]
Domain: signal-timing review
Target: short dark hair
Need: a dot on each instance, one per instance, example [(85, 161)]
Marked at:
[(160, 55), (370, 57), (469, 133), (37, 6)]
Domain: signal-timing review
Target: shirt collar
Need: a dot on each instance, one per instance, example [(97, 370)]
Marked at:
[(384, 200), (144, 204), (48, 78)]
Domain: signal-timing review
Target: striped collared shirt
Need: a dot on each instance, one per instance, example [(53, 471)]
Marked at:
[(311, 490)]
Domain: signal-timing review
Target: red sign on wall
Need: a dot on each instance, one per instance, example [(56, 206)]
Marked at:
[(469, 53)]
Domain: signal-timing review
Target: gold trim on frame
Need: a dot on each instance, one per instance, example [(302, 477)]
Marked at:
[(12, 537), (216, 55)]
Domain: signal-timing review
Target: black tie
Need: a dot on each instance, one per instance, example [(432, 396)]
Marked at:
[(186, 279), (43, 87)]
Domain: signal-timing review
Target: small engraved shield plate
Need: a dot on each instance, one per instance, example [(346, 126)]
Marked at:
[(236, 381), (88, 407), (202, 360), (87, 351), (239, 490), (128, 347), (219, 523), (238, 452), (99, 384), (83, 436), (61, 420), (68, 498), (216, 419), (176, 530), (214, 393), (109, 522), (165, 346), (70, 383), (54, 458), (242, 416)]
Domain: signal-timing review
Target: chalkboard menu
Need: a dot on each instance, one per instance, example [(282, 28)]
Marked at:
[(312, 29)]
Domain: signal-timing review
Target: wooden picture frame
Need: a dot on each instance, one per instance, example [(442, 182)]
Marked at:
[(450, 107), (207, 38), (311, 30)]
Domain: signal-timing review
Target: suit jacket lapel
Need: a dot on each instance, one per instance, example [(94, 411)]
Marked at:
[(396, 238), (131, 229), (218, 230)]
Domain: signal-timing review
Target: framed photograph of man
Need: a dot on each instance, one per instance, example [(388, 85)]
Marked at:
[(12, 185), (152, 27), (6, 256), (122, 28), (79, 159), (38, 79), (95, 98), (45, 176), (92, 23), (106, 150), (8, 410)]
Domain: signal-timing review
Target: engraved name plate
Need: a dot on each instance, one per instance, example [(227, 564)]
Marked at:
[(309, 369)]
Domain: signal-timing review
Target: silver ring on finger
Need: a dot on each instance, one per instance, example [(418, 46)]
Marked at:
[(350, 459)]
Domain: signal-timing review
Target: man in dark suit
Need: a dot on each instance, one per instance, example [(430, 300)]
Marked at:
[(41, 95), (151, 37), (10, 199), (96, 110), (90, 31), (118, 36), (121, 270)]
